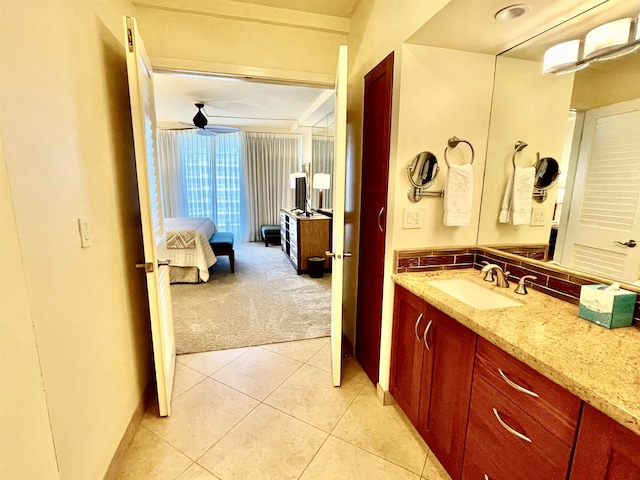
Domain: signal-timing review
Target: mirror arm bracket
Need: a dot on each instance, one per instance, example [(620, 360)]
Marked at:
[(415, 194)]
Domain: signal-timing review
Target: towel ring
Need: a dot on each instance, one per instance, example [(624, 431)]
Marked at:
[(520, 145), (453, 143)]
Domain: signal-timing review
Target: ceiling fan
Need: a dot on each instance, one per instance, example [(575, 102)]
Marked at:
[(201, 123)]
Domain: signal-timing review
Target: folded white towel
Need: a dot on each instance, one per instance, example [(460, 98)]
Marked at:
[(458, 195), (516, 203)]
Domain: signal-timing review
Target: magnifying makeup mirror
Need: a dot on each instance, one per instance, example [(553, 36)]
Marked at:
[(422, 172), (547, 173)]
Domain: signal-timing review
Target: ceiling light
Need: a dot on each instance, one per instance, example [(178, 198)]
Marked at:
[(512, 12), (609, 39)]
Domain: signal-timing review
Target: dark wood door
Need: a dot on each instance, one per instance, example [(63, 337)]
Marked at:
[(370, 275), (409, 322), (445, 392), (375, 173), (605, 450), (376, 127)]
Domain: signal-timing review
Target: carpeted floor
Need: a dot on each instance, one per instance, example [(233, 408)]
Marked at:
[(263, 302)]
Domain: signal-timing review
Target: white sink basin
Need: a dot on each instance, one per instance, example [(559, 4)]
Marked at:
[(474, 295)]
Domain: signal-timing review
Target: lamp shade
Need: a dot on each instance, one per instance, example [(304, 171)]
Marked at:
[(293, 176), (321, 181), (607, 39), (561, 57)]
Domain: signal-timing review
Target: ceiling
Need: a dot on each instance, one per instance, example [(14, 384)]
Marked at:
[(239, 103), (337, 8)]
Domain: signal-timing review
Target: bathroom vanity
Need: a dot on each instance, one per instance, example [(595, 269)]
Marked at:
[(527, 391)]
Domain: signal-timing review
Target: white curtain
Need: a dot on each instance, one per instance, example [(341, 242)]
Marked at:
[(201, 177), (174, 190), (322, 162), (268, 160)]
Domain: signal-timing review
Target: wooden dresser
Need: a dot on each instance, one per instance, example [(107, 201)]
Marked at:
[(304, 237)]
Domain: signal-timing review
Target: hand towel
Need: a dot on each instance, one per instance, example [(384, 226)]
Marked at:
[(458, 195), (522, 195), (505, 212)]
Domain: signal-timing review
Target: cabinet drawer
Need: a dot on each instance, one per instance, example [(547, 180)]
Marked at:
[(494, 452), (547, 402)]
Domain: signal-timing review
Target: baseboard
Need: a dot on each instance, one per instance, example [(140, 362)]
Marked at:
[(130, 432), (384, 396)]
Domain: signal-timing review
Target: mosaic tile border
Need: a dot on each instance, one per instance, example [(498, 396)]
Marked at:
[(555, 280)]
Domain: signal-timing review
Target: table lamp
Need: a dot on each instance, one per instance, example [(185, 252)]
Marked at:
[(321, 181)]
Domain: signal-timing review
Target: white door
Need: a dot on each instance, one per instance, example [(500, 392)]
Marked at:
[(339, 174), (605, 204), (143, 116)]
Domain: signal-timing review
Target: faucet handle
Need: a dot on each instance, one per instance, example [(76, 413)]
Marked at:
[(521, 288)]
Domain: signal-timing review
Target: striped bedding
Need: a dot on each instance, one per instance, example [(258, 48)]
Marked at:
[(188, 243)]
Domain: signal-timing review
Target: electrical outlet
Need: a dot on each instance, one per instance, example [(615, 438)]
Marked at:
[(537, 216), (413, 218)]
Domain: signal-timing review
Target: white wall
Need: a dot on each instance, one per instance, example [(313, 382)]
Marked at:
[(527, 106), (66, 128), (230, 37)]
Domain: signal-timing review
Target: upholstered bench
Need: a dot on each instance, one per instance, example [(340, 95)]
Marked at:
[(270, 233), (222, 244)]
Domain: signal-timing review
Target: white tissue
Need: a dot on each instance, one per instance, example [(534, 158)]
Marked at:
[(614, 287)]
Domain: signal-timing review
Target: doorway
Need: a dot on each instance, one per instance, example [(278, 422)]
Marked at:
[(271, 109)]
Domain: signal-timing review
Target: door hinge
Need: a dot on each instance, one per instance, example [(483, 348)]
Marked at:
[(130, 33)]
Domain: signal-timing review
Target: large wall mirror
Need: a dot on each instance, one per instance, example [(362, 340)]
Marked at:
[(589, 121), (322, 137)]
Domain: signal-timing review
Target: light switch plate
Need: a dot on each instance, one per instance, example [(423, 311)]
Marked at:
[(83, 228), (413, 217), (537, 217)]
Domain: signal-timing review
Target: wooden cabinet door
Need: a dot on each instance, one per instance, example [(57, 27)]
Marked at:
[(447, 374), (605, 450), (370, 274), (409, 322)]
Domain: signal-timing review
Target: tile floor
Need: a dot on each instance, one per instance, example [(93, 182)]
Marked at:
[(270, 412)]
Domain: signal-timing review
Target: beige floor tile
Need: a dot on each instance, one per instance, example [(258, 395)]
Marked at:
[(196, 472), (151, 457), (301, 350), (185, 378), (322, 359), (310, 396), (338, 460), (200, 417), (257, 373), (265, 445), (433, 469), (210, 362), (384, 431)]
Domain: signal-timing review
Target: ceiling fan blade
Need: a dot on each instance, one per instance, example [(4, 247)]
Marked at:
[(221, 129), (202, 131)]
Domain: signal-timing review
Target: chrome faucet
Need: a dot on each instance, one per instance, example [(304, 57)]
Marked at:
[(501, 276)]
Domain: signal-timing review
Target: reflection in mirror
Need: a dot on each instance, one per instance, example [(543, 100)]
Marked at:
[(321, 196), (547, 172), (594, 188), (422, 171)]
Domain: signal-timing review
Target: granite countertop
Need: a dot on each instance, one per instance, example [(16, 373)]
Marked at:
[(600, 366)]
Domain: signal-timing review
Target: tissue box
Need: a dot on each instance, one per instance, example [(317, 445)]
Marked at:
[(609, 308)]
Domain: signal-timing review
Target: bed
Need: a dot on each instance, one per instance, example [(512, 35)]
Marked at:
[(188, 247)]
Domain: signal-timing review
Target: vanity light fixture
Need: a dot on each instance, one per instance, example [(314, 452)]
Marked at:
[(607, 41), (512, 12)]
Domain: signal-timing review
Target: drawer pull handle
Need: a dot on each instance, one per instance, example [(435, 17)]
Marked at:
[(426, 332), (515, 385), (415, 327), (509, 429)]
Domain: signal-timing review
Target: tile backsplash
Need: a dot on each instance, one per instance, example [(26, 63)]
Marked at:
[(555, 281)]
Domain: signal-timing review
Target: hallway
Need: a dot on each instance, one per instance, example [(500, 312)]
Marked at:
[(270, 412)]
